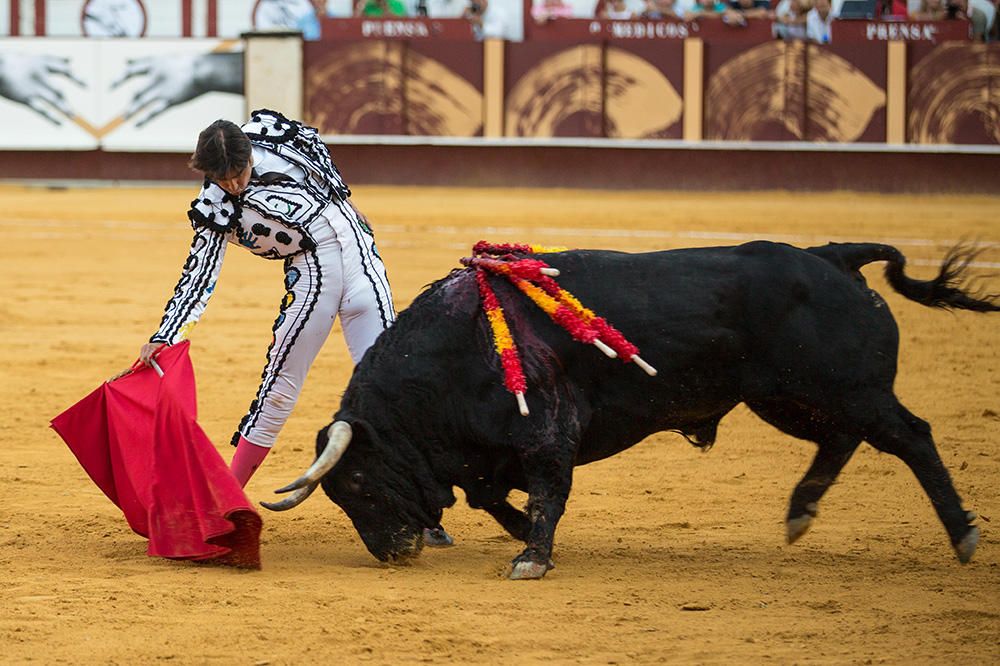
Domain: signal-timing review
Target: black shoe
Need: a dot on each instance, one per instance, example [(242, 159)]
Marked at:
[(436, 537)]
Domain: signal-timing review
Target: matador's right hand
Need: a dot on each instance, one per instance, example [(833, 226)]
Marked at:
[(149, 350)]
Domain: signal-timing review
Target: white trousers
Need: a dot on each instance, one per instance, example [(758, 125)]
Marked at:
[(343, 276)]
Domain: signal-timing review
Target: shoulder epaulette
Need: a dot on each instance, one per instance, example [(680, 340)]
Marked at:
[(215, 209)]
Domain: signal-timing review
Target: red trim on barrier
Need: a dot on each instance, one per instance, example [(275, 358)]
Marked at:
[(186, 18), (213, 18), (15, 18), (534, 166), (40, 18)]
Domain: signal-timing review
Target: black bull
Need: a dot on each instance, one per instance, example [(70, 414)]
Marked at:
[(795, 334)]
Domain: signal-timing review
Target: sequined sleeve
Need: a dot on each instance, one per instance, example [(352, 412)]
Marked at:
[(195, 286)]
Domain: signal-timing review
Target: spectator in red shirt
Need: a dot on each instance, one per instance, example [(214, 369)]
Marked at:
[(891, 9), (544, 11)]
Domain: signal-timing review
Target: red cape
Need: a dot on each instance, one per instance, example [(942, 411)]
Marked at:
[(137, 438)]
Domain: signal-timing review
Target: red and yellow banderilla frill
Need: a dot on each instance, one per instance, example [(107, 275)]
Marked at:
[(535, 279)]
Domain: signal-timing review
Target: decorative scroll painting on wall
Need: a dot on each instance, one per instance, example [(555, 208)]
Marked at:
[(116, 94), (394, 87), (783, 91), (954, 93), (594, 90)]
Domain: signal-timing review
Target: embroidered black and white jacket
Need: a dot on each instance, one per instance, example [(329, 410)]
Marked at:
[(271, 218)]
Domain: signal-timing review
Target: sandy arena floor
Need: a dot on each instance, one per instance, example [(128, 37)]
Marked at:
[(648, 536)]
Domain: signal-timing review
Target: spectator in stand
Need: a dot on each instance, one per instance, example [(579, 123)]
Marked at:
[(931, 10), (613, 10), (488, 19), (380, 8), (740, 10), (301, 15), (892, 10), (438, 8), (790, 19), (544, 11), (980, 13), (818, 22), (706, 9), (661, 9)]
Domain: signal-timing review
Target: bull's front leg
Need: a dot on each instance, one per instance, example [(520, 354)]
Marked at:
[(549, 479)]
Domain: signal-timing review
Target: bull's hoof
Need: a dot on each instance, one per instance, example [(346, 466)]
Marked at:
[(967, 546), (796, 527), (437, 538), (528, 570)]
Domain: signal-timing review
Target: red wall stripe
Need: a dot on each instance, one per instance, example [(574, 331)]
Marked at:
[(213, 18), (40, 17), (15, 18), (186, 18)]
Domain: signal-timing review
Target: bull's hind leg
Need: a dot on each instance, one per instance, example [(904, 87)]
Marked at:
[(515, 521), (832, 455), (901, 433), (835, 449)]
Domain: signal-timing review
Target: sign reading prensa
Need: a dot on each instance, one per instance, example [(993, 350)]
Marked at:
[(396, 28), (904, 31), (390, 28)]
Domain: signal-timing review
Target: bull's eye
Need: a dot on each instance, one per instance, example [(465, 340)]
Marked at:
[(356, 481)]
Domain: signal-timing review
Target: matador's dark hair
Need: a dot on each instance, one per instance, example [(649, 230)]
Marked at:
[(223, 149)]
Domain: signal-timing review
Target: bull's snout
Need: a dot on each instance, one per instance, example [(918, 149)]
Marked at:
[(399, 548)]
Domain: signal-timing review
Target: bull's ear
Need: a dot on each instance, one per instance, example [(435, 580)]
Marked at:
[(321, 438), (366, 428)]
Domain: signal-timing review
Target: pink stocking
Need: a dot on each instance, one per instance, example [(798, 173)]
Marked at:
[(247, 459)]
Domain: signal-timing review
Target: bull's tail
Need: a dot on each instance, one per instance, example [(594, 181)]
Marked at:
[(949, 290)]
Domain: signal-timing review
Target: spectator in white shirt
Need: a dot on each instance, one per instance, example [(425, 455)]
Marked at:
[(818, 22)]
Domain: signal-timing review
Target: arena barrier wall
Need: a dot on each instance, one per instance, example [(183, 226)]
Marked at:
[(596, 163), (637, 104)]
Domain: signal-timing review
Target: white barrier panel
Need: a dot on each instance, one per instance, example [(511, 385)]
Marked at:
[(127, 95), (48, 94)]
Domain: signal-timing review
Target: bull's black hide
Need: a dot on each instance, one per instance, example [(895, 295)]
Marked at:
[(795, 334)]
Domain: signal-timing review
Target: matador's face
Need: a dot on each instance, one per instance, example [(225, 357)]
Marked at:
[(236, 182)]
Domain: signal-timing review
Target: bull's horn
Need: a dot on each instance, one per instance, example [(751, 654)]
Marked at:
[(338, 437), (292, 500)]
